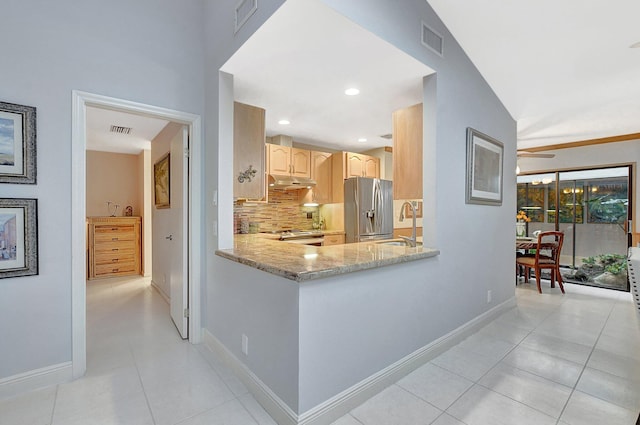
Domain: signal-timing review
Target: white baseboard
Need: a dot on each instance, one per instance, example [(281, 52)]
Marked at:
[(342, 403), (35, 379), (162, 294), (273, 404)]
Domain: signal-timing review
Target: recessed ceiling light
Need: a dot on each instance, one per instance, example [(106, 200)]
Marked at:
[(635, 45), (362, 139), (352, 91), (284, 122)]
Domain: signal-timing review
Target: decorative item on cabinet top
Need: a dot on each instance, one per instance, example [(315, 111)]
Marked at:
[(18, 129)]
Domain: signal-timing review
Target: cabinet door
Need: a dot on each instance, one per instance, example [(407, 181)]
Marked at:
[(300, 163), (279, 159), (355, 165), (407, 153), (321, 172), (248, 150), (372, 167)]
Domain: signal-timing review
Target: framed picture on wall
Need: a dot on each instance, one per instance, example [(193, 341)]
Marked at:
[(484, 169), (162, 189), (18, 237), (17, 143)]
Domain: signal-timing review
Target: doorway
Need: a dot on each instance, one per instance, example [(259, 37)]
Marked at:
[(82, 100), (593, 209)]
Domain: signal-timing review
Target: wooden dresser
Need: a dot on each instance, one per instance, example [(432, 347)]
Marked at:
[(114, 246)]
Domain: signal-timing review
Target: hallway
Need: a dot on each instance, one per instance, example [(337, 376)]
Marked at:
[(566, 360)]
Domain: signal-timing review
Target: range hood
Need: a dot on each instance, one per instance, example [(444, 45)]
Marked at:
[(277, 181)]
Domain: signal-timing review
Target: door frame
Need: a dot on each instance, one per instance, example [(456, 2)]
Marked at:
[(80, 101)]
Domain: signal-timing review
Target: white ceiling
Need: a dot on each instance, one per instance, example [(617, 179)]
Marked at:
[(563, 69), (99, 138), (298, 64)]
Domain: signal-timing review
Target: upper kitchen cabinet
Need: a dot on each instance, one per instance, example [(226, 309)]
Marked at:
[(286, 160), (407, 153), (350, 164), (248, 152), (360, 165), (321, 172)]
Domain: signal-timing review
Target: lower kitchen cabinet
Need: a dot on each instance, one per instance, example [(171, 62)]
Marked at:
[(333, 239), (114, 246)]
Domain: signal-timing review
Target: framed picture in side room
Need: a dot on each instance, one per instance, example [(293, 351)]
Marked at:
[(484, 169), (18, 237), (17, 143), (162, 189)]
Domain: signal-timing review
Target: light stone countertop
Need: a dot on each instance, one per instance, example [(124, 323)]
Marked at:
[(303, 262)]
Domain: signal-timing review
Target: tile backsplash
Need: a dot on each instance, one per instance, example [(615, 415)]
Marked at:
[(283, 211)]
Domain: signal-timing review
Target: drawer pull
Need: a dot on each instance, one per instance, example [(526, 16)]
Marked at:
[(114, 249), (114, 228), (114, 239), (115, 260)]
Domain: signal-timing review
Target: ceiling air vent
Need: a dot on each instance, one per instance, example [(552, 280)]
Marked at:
[(387, 136), (120, 130), (244, 10), (432, 39)]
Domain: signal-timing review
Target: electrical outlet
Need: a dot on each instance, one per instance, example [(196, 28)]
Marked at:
[(245, 345), (489, 296)]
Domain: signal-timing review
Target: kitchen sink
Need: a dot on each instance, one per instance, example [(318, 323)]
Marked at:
[(397, 242)]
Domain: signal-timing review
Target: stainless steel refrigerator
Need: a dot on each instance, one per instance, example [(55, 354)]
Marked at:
[(368, 209)]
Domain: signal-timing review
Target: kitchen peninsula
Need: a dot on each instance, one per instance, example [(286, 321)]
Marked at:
[(302, 263)]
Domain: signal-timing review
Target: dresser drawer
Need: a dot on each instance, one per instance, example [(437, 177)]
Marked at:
[(115, 246), (114, 269), (122, 233), (115, 257)]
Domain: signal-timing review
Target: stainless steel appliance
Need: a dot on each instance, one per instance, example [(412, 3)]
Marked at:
[(368, 209)]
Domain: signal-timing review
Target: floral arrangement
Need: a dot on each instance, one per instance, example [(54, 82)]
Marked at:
[(522, 217)]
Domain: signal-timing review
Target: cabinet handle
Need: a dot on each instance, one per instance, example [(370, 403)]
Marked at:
[(114, 249), (115, 260), (115, 270), (114, 239), (114, 228)]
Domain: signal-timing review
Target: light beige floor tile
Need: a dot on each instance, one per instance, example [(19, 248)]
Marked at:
[(128, 410), (584, 409), (347, 420), (465, 363), (557, 347), (436, 385), (615, 364), (486, 345), (256, 410), (394, 406), (229, 413), (539, 393), (614, 389), (505, 332), (446, 419), (33, 408), (480, 406), (553, 368)]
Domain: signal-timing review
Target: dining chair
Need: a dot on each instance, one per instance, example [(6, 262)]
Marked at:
[(547, 256)]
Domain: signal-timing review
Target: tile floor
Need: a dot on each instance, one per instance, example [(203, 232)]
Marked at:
[(555, 359)]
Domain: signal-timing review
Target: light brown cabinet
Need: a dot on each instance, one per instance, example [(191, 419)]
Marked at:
[(407, 153), (360, 165), (321, 172), (333, 240), (114, 246), (286, 160), (248, 152), (351, 164)]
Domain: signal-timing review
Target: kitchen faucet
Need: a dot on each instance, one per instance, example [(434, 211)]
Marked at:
[(412, 240)]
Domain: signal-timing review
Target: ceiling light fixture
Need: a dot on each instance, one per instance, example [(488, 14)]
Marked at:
[(284, 122), (362, 139), (352, 91)]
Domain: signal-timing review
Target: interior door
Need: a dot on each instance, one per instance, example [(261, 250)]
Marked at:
[(178, 238)]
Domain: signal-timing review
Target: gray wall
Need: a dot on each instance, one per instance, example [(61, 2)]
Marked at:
[(476, 242), (148, 51)]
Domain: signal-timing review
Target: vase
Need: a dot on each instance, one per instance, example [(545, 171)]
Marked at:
[(521, 229)]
